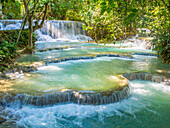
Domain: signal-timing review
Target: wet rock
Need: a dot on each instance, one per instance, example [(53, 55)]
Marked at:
[(111, 55), (62, 59), (46, 63), (98, 55), (76, 58), (2, 120), (92, 57), (1, 108), (67, 59), (9, 124), (7, 98), (144, 54)]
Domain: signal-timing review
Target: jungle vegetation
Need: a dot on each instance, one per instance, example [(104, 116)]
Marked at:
[(104, 20)]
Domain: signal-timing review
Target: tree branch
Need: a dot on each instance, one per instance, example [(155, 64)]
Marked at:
[(43, 19), (23, 21)]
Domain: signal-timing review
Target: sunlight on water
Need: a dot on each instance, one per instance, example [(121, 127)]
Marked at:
[(80, 74), (92, 74), (144, 102), (50, 68)]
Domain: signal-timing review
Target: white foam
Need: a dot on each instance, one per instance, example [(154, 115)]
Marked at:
[(13, 26), (90, 60), (50, 68), (73, 115)]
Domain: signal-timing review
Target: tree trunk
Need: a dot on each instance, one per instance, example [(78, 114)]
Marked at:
[(1, 14), (22, 26), (88, 35), (30, 21), (125, 27), (95, 32)]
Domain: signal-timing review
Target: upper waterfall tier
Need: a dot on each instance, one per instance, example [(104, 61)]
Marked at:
[(52, 30), (63, 29)]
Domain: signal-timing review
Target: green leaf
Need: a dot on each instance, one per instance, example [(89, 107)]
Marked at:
[(103, 3), (103, 10)]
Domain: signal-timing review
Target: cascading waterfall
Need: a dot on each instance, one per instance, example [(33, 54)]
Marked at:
[(63, 30), (146, 100), (80, 97), (52, 30)]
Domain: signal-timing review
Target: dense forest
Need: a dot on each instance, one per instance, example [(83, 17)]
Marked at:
[(104, 20)]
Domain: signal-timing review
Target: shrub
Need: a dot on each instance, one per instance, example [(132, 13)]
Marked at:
[(8, 51), (162, 46)]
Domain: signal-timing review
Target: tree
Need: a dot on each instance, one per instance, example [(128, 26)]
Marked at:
[(10, 9), (152, 14), (37, 10)]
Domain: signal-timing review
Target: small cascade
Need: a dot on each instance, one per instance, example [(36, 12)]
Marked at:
[(58, 60), (10, 24), (147, 77), (80, 97), (136, 43), (1, 26)]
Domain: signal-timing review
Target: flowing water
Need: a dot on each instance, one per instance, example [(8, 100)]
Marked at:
[(147, 106), (93, 74)]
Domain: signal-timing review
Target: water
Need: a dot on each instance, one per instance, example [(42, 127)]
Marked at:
[(97, 74), (78, 50), (134, 43), (10, 24), (41, 45), (64, 30), (52, 30), (148, 106), (1, 26), (81, 75)]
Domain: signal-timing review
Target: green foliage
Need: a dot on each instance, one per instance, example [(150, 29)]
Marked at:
[(8, 51), (102, 23), (11, 36), (131, 15), (11, 9), (8, 47), (109, 20), (65, 9), (162, 45)]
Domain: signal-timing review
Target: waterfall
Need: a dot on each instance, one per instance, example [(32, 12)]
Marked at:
[(1, 26), (52, 30), (63, 30), (147, 77), (10, 24), (80, 97)]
